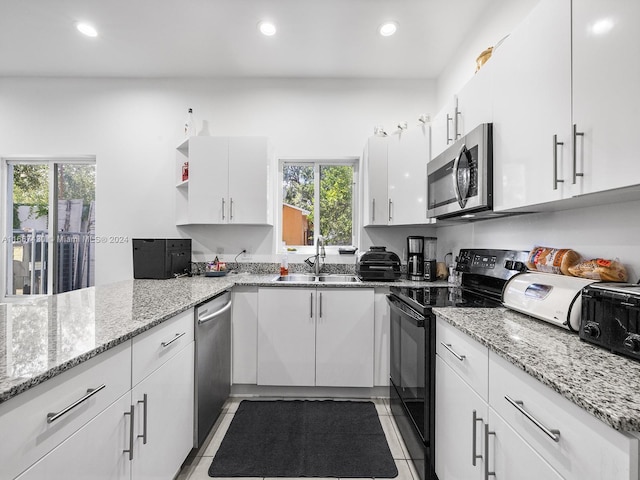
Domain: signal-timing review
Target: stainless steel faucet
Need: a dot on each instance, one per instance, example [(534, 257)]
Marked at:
[(320, 253)]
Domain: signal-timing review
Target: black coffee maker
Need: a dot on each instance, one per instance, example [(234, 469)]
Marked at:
[(415, 258)]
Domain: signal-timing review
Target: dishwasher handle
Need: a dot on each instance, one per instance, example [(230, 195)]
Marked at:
[(215, 314)]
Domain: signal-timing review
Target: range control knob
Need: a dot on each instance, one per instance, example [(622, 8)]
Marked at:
[(632, 343), (592, 330)]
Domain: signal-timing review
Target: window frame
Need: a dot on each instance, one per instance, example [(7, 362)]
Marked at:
[(53, 161), (317, 162)]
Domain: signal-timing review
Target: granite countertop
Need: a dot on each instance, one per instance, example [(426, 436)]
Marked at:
[(604, 384), (46, 336)]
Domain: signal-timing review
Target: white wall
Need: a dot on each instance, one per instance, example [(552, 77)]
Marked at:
[(133, 127), (499, 19), (605, 231)]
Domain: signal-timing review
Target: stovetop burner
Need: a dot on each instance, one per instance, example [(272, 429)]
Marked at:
[(422, 299)]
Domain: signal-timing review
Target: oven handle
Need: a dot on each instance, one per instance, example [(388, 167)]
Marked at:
[(417, 318)]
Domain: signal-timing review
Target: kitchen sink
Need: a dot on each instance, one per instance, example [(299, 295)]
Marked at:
[(310, 278), (296, 277), (336, 278)]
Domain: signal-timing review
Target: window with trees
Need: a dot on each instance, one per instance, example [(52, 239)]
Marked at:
[(47, 195), (318, 199)]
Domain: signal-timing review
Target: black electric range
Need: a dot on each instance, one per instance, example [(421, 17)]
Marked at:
[(483, 275)]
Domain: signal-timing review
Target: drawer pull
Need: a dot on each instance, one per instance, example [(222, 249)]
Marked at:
[(178, 335), (474, 455), (519, 405), (53, 416), (453, 352)]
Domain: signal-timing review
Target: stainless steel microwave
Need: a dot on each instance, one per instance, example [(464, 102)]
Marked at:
[(460, 179)]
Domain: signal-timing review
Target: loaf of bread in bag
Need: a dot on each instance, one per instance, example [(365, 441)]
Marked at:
[(600, 269), (552, 260)]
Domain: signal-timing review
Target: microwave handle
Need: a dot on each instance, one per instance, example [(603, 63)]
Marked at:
[(461, 197)]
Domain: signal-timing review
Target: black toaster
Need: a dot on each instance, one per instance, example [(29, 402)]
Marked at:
[(611, 317)]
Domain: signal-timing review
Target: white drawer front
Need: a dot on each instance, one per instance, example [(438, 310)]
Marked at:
[(23, 419), (154, 347), (466, 356), (585, 449)]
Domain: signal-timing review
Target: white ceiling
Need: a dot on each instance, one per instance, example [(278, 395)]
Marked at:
[(176, 38)]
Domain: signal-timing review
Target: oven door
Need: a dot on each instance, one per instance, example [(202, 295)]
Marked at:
[(460, 178), (412, 390)]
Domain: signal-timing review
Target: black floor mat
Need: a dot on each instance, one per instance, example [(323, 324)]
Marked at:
[(304, 438)]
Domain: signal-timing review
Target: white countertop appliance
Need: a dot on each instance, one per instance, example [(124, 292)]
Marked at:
[(556, 299)]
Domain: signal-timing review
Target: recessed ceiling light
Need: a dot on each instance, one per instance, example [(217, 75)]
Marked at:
[(86, 29), (388, 28), (267, 28)]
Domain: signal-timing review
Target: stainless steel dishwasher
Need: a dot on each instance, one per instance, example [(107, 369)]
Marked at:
[(212, 362)]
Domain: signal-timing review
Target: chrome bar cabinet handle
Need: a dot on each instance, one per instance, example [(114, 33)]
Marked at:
[(144, 419), (53, 416), (320, 306), (230, 208), (453, 352), (556, 180), (456, 123), (519, 405), (474, 456), (487, 472), (576, 134), (390, 208), (311, 304), (178, 335), (223, 205), (131, 437), (449, 119), (373, 210)]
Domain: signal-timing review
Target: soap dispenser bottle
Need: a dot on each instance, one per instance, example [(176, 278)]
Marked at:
[(284, 263)]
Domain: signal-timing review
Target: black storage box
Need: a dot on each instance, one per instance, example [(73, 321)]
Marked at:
[(161, 258)]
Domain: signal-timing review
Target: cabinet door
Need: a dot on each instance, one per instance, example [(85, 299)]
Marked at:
[(376, 207), (344, 337), (286, 336), (164, 423), (531, 105), (249, 180), (95, 451), (408, 154), (442, 132), (509, 456), (459, 433), (606, 103), (208, 179), (474, 101)]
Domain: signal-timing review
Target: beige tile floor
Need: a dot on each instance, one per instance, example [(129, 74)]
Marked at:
[(197, 464)]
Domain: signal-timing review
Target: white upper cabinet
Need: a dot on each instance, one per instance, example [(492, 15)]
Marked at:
[(229, 181), (532, 109), (443, 129), (474, 102), (606, 101), (395, 189)]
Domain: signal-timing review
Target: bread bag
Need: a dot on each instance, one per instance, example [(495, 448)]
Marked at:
[(552, 260), (600, 269)]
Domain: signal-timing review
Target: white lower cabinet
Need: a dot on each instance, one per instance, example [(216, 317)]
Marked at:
[(163, 426), (315, 337), (96, 451), (460, 418), (114, 431), (523, 430), (244, 334)]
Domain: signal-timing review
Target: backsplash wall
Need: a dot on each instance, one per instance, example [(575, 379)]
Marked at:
[(604, 231)]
